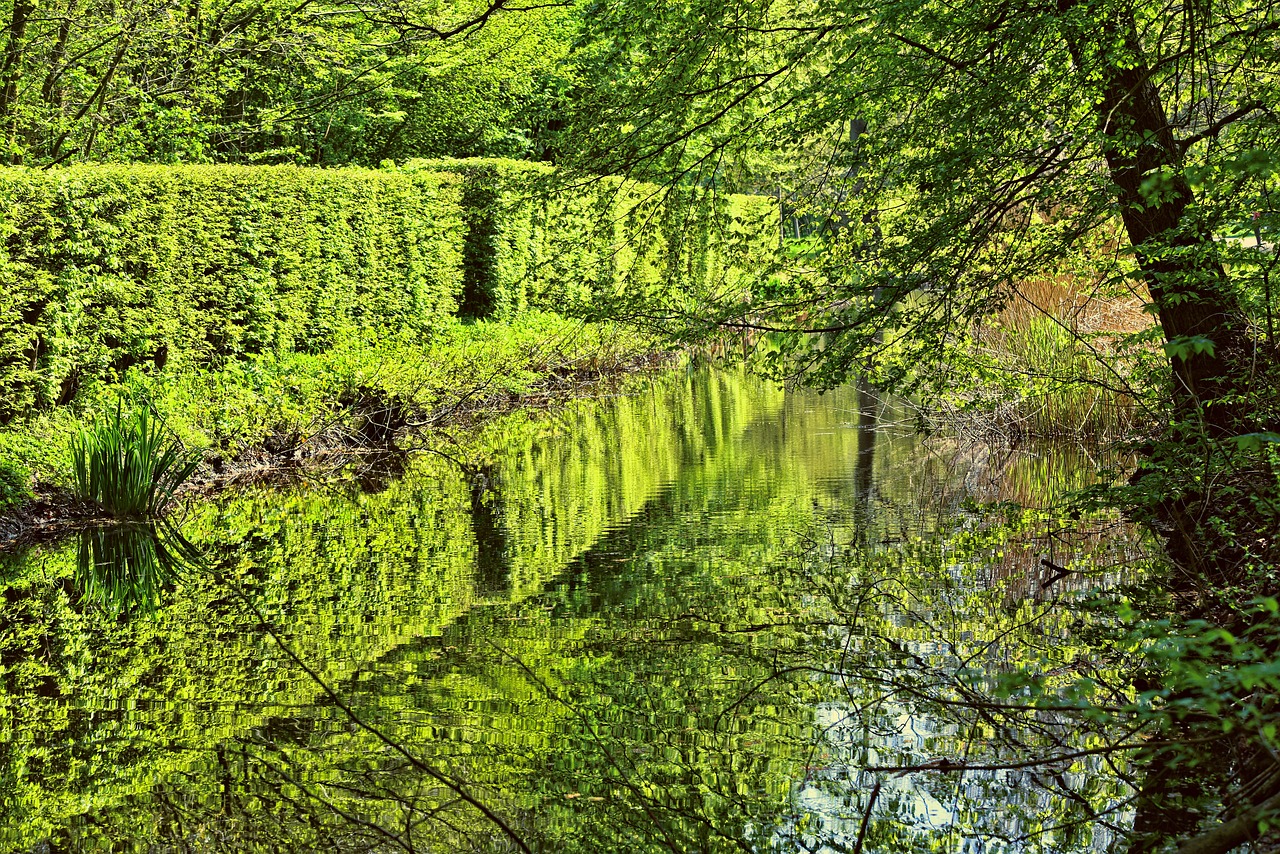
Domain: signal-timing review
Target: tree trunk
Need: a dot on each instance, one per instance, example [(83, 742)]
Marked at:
[(11, 74), (51, 91), (1177, 256)]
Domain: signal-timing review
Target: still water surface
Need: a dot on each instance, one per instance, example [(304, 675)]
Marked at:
[(690, 618)]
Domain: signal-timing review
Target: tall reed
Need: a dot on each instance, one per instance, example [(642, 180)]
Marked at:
[(1055, 347), (127, 465)]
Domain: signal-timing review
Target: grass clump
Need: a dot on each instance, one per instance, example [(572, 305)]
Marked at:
[(128, 465), (1058, 361)]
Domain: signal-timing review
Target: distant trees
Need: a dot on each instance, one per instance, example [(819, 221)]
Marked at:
[(277, 80)]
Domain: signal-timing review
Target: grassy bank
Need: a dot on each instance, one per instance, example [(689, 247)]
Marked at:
[(261, 412)]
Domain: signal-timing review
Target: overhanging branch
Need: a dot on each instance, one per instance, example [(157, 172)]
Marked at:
[(1214, 129)]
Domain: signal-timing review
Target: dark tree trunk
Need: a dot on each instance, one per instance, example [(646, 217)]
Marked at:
[(1218, 392), (1177, 255), (11, 73), (51, 91), (1220, 372)]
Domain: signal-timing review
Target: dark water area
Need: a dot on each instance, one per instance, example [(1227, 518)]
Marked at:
[(704, 616)]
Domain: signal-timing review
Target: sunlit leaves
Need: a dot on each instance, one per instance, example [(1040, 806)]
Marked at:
[(1184, 347)]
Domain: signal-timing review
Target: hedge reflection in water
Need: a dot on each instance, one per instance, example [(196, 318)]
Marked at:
[(685, 620)]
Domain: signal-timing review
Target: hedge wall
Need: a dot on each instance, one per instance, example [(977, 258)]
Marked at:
[(105, 267), (537, 241)]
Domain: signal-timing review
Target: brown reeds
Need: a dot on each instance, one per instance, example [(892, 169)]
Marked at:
[(1056, 344)]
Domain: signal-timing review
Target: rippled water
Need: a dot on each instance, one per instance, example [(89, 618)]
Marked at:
[(690, 618)]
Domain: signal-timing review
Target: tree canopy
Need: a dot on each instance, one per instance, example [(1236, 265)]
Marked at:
[(952, 151), (945, 155), (278, 82)]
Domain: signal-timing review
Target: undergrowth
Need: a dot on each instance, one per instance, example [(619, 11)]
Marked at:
[(15, 485), (128, 464), (248, 403), (1057, 362)]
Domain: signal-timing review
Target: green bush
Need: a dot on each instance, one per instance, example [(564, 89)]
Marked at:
[(107, 267), (501, 200), (15, 485)]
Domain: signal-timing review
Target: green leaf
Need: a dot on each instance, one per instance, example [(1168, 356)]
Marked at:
[(1186, 346), (1256, 441)]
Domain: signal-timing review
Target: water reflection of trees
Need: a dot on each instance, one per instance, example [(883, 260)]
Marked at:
[(703, 636), (919, 664), (960, 710)]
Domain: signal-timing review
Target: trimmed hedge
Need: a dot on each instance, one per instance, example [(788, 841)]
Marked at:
[(537, 241), (106, 267)]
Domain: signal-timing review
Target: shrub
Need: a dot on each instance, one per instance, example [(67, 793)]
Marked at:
[(128, 465), (112, 269), (15, 485), (103, 268)]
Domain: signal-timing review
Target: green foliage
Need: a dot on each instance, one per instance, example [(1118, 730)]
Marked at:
[(1024, 144), (15, 484), (229, 410), (129, 465), (502, 202), (273, 82), (543, 240), (299, 394), (1184, 347), (494, 93), (112, 270), (106, 268)]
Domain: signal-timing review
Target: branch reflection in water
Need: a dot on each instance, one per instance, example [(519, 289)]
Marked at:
[(698, 618)]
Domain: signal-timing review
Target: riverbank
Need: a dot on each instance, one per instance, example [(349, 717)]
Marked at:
[(1061, 360), (302, 415), (274, 316)]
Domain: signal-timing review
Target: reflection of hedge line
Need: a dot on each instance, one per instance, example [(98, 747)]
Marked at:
[(108, 267), (345, 579), (92, 706), (621, 457)]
